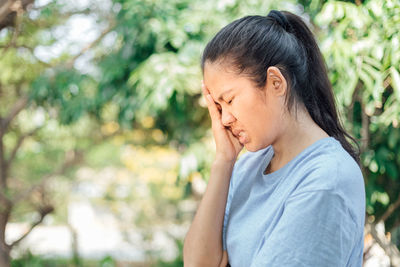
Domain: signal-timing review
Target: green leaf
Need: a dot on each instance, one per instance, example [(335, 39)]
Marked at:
[(395, 82), (393, 138), (366, 79), (392, 171)]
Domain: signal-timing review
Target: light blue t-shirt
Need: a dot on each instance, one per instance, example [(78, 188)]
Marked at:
[(310, 212)]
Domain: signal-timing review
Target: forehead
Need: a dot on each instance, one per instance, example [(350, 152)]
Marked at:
[(220, 78)]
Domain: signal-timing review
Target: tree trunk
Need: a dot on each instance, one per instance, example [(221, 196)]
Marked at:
[(8, 11), (4, 248), (4, 258)]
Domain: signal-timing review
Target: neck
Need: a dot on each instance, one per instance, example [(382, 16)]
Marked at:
[(299, 132)]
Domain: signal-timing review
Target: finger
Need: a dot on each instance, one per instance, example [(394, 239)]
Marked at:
[(210, 101), (232, 137), (238, 146), (215, 114), (235, 141), (212, 108), (204, 89)]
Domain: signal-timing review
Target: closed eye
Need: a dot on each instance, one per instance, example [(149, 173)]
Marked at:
[(230, 101)]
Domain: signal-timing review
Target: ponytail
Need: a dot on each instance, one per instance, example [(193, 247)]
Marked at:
[(319, 100)]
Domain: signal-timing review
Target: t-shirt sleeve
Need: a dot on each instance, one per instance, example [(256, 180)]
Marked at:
[(315, 229)]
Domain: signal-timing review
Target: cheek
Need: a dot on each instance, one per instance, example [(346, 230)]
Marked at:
[(266, 120), (255, 113)]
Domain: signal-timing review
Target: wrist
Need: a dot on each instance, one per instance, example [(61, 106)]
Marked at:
[(222, 162)]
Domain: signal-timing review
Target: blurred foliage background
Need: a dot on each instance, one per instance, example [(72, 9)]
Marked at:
[(100, 107)]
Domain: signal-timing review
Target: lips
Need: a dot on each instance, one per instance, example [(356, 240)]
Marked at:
[(240, 135), (237, 133)]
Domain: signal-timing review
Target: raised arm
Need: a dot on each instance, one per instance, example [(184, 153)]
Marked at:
[(203, 242)]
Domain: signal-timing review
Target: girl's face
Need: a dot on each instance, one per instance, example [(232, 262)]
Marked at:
[(255, 116)]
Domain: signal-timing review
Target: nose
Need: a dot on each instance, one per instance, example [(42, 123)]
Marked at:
[(227, 118)]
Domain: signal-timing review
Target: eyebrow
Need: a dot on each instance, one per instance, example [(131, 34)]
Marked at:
[(224, 93)]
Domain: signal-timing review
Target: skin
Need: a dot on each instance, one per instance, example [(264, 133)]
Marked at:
[(261, 114), (242, 115)]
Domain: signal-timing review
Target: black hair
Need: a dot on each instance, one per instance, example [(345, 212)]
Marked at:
[(254, 43)]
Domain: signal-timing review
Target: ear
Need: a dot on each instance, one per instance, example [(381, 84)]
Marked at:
[(276, 83)]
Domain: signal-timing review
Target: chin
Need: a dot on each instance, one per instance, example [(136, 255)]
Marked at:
[(253, 148)]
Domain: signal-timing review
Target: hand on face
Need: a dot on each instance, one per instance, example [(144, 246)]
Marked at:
[(227, 145)]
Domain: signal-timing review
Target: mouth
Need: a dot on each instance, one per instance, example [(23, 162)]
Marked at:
[(240, 135), (237, 133)]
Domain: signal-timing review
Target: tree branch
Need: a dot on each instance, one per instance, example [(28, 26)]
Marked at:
[(43, 211), (3, 163), (72, 158), (390, 210), (15, 7), (5, 9), (19, 143), (8, 10), (5, 203), (19, 105), (396, 224), (71, 62), (364, 129)]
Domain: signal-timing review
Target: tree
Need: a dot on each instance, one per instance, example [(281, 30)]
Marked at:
[(148, 77), (360, 44), (28, 111)]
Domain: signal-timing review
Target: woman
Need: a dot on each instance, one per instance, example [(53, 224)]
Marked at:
[(297, 198)]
